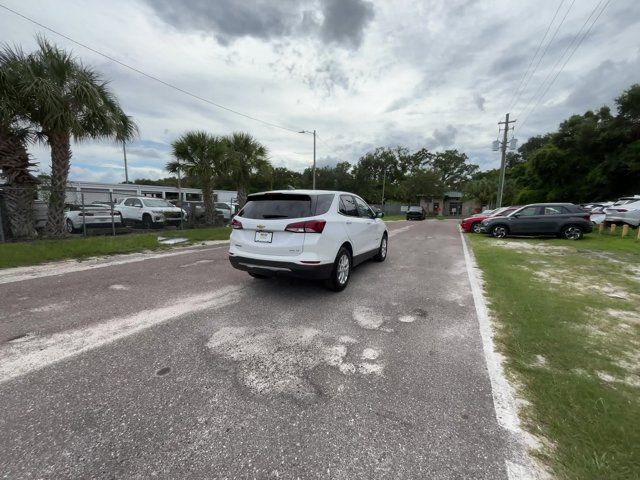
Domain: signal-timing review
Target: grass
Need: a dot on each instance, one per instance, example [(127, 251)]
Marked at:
[(31, 253), (571, 349)]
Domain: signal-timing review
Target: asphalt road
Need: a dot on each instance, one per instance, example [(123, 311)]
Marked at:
[(179, 366)]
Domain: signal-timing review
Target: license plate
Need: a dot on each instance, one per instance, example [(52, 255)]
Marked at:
[(264, 237)]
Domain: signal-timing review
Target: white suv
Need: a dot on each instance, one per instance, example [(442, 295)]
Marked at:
[(306, 233), (150, 211), (626, 210)]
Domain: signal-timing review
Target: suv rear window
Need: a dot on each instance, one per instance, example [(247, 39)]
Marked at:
[(285, 205)]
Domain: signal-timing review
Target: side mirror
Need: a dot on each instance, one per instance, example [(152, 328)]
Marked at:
[(516, 215), (379, 214)]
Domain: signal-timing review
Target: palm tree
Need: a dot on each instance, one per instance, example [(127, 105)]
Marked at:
[(69, 100), (246, 157), (15, 133), (199, 155)]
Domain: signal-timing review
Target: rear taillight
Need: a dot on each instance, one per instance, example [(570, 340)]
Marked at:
[(587, 217), (236, 225), (622, 210), (310, 226)]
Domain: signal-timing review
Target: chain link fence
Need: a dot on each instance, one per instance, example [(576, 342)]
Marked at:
[(24, 212)]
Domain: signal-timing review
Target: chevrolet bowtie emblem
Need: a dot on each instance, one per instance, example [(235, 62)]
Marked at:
[(260, 227)]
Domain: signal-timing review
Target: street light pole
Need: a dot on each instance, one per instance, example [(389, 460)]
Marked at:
[(384, 178), (126, 170), (314, 155)]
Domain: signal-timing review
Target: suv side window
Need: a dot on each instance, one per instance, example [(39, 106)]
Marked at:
[(363, 209), (348, 206), (554, 210), (137, 202), (129, 202), (529, 212)]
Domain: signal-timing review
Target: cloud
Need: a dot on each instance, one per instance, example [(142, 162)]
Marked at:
[(337, 21), (345, 21), (446, 137), (479, 101)]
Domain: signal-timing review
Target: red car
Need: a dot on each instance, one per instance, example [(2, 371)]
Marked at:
[(473, 224)]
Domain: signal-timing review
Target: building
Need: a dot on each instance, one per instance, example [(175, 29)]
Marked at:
[(92, 192), (450, 204)]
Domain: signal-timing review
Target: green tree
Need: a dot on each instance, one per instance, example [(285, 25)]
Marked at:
[(246, 160), (200, 155), (68, 100), (453, 169), (16, 131)]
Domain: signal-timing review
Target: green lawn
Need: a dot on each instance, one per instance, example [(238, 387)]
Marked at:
[(31, 253), (571, 348)]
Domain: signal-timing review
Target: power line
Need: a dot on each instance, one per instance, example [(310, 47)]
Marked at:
[(577, 45), (151, 77), (546, 48), (518, 92)]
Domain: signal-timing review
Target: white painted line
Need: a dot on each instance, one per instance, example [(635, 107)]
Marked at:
[(20, 358), (19, 274), (504, 402), (393, 233)]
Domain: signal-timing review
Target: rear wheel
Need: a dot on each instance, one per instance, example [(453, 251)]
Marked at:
[(381, 256), (341, 271), (499, 231), (572, 232), (258, 275), (69, 226), (475, 227)]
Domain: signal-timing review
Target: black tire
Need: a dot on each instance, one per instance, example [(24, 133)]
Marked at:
[(338, 281), (499, 231), (258, 275), (381, 256), (475, 227), (69, 226), (147, 221), (572, 232)]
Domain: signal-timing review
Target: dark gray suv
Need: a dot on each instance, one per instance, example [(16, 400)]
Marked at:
[(565, 220)]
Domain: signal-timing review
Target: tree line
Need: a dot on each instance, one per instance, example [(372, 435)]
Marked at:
[(590, 157)]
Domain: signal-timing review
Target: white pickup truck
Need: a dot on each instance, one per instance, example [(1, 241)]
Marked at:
[(149, 211)]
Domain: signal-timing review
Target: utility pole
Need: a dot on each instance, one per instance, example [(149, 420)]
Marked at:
[(503, 162), (384, 178), (126, 170)]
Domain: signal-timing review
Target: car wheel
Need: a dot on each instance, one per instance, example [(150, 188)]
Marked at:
[(499, 231), (69, 226), (475, 227), (258, 275), (572, 232), (381, 256), (147, 221), (341, 271)]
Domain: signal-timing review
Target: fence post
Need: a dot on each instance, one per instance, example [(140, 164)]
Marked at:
[(2, 225), (625, 230), (613, 228), (113, 221), (638, 237), (84, 221)]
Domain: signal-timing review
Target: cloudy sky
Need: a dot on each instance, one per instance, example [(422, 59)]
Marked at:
[(435, 74)]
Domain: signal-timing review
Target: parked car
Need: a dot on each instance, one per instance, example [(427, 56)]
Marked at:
[(562, 219), (597, 212), (306, 233), (91, 216), (149, 211), (226, 210), (474, 223), (626, 210), (416, 213)]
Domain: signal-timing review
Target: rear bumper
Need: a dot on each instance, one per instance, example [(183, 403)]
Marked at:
[(273, 268)]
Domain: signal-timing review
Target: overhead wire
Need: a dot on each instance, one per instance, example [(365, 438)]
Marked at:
[(149, 76), (518, 92), (579, 40)]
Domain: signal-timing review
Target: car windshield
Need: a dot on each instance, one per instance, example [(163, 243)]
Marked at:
[(156, 202), (415, 209), (499, 211)]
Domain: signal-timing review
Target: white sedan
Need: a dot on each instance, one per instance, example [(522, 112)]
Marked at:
[(306, 233)]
